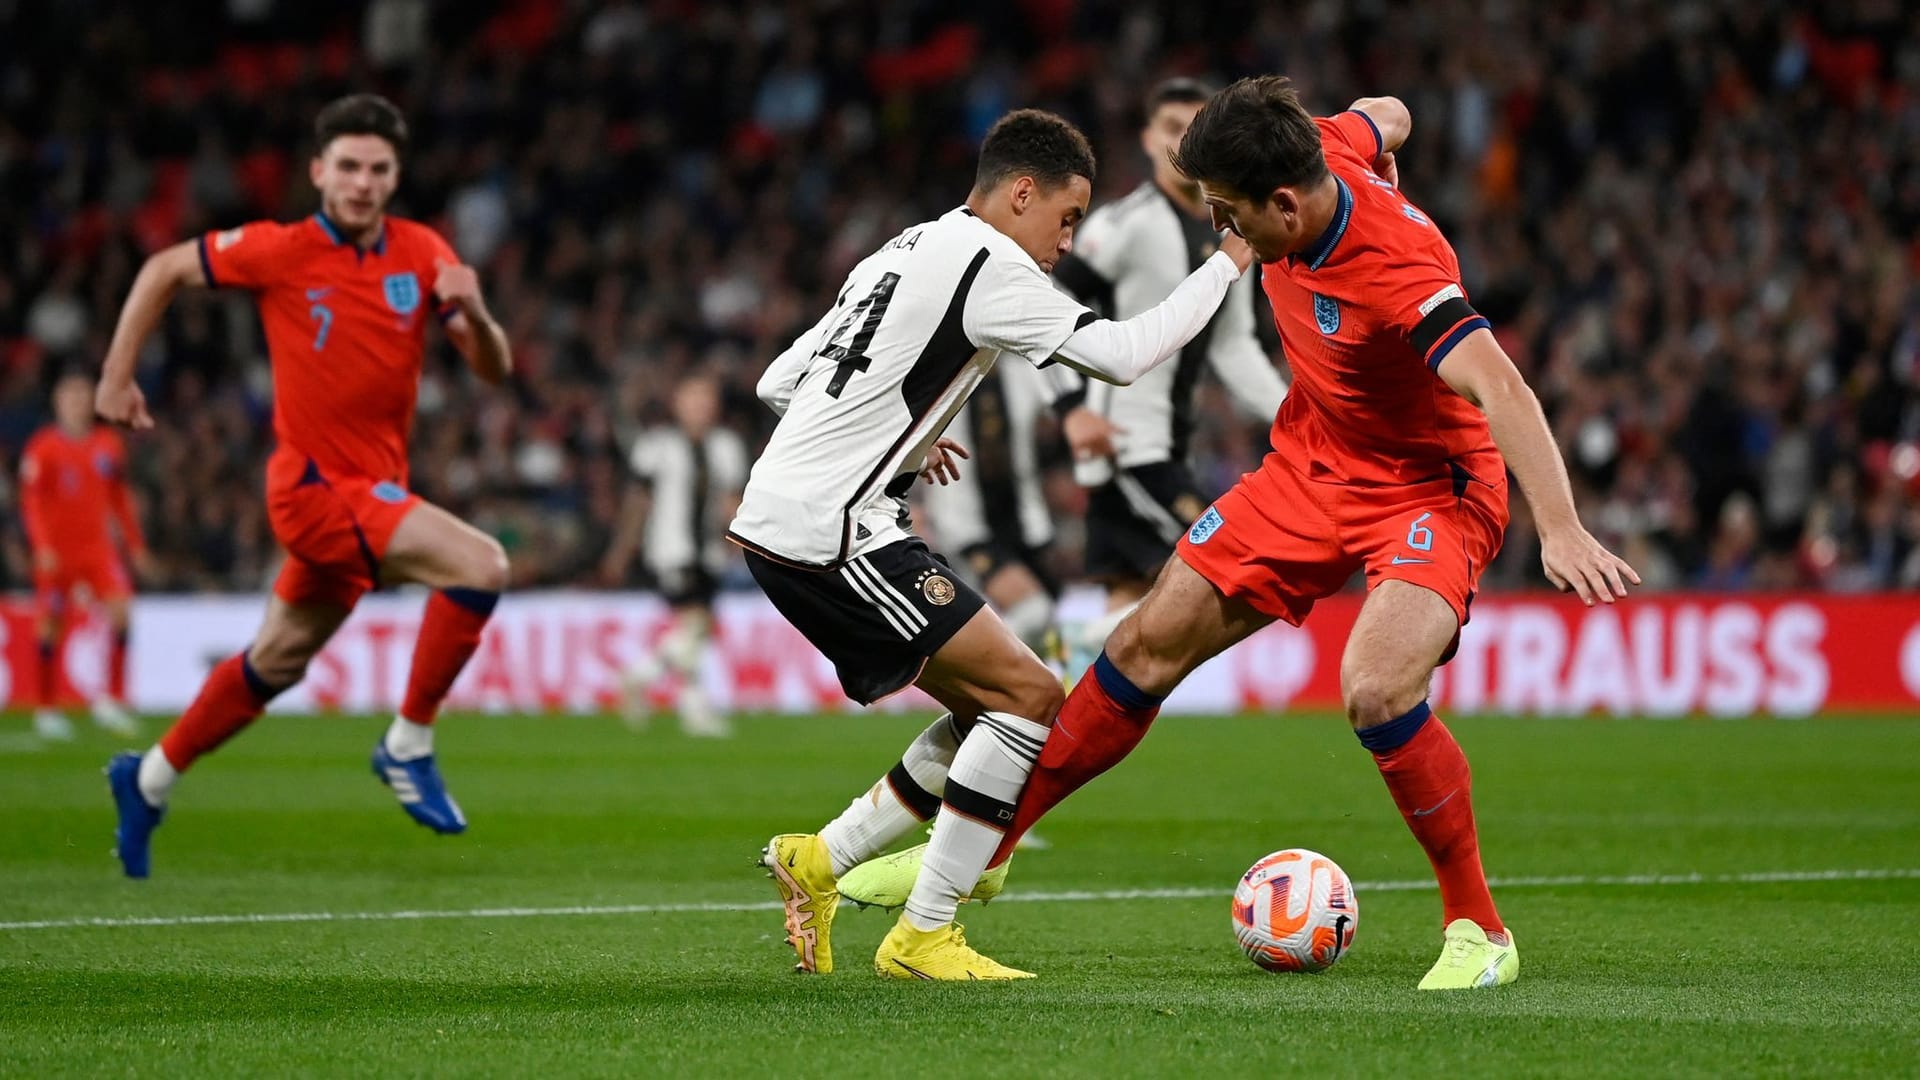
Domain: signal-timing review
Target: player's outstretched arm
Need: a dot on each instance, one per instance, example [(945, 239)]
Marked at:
[(1394, 122), (1480, 370), (1120, 352), (1390, 116), (118, 398), (473, 329)]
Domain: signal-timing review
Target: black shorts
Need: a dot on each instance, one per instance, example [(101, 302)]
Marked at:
[(1135, 519), (989, 557), (690, 586), (878, 618)]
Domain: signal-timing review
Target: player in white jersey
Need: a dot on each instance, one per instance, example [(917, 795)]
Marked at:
[(688, 477), (1128, 256), (865, 396)]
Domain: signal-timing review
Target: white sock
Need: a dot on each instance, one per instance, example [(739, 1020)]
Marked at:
[(982, 787), (157, 776), (1030, 619), (875, 819), (685, 645), (408, 741), (1094, 635)]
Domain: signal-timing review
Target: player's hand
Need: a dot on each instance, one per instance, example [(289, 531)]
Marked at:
[(1089, 435), (1576, 561), (457, 283), (1237, 249), (145, 569), (943, 462), (1386, 168), (122, 404), (46, 561)]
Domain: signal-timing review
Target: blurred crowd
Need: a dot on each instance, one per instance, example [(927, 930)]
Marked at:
[(1693, 222)]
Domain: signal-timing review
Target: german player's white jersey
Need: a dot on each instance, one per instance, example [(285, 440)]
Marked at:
[(1127, 257), (1000, 494), (866, 391), (691, 483)]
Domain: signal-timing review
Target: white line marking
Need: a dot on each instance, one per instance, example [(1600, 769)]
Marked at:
[(1070, 896)]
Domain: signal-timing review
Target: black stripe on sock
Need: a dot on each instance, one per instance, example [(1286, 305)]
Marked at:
[(1019, 742), (984, 809), (919, 802)]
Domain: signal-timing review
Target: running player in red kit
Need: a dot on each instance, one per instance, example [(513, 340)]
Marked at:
[(73, 499), (1390, 456), (345, 297)]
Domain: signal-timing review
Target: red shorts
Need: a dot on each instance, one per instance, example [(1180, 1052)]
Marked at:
[(335, 528), (100, 576), (1280, 541)]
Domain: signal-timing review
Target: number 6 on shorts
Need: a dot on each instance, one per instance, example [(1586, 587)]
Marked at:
[(1419, 537)]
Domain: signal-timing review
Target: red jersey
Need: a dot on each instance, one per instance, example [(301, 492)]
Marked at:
[(1366, 316), (346, 332), (70, 488)]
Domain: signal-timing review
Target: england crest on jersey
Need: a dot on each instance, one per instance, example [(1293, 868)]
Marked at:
[(403, 293), (1326, 312), (1204, 528)]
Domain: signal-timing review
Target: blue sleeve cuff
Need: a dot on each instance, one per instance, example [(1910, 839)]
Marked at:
[(206, 264), (1454, 337), (1379, 141)]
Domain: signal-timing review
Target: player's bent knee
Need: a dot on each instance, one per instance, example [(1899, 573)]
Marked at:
[(278, 665), (1038, 694), (488, 568), (1372, 699), (1155, 666)]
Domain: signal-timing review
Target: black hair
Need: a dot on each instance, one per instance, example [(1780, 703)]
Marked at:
[(1175, 91), (1036, 143), (1252, 137), (360, 114)]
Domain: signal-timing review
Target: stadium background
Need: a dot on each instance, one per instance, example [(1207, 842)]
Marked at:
[(1693, 226)]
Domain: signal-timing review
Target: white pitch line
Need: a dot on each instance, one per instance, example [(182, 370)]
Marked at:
[(1070, 896)]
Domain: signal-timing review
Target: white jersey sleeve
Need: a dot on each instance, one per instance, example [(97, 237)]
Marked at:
[(645, 459), (1240, 362), (1015, 309), (777, 383), (1102, 243), (728, 460), (1120, 352)]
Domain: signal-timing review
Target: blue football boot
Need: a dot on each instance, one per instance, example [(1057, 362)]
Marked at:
[(422, 794), (138, 818)]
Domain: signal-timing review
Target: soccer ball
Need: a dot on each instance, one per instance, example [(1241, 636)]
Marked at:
[(1295, 911)]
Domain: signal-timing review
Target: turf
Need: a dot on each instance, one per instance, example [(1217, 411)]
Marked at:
[(1635, 977)]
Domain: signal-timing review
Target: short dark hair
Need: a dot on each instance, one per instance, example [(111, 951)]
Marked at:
[(360, 114), (1036, 143), (1253, 136), (1179, 90)]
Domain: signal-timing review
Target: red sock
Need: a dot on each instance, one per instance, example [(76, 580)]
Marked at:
[(48, 672), (449, 633), (1104, 718), (232, 697), (117, 667), (1428, 777)]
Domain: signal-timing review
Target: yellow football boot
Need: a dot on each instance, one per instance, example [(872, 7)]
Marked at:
[(885, 882), (1471, 962), (803, 872), (941, 955)]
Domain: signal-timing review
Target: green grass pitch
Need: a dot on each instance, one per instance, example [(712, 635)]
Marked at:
[(1665, 892)]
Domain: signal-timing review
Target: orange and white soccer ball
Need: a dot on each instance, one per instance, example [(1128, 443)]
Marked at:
[(1295, 911)]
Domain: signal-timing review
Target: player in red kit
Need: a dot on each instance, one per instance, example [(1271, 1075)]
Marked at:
[(345, 297), (1390, 457), (73, 499)]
